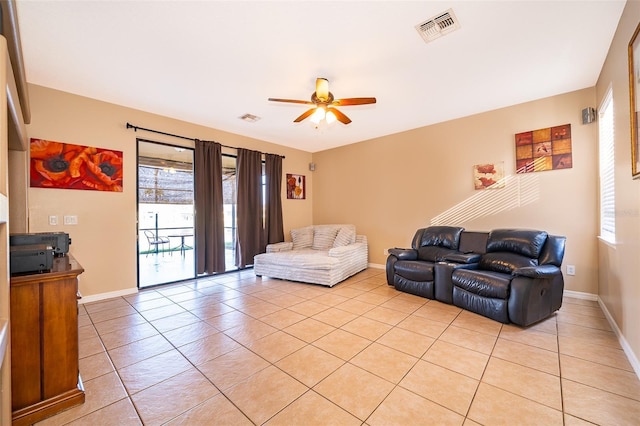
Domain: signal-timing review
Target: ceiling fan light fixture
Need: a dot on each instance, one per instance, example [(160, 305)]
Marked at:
[(318, 115), (330, 117), (322, 102), (322, 89)]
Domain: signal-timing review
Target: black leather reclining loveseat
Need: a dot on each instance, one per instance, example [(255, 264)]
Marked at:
[(509, 275)]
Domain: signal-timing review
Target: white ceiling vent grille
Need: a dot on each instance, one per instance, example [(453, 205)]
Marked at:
[(249, 118), (438, 26)]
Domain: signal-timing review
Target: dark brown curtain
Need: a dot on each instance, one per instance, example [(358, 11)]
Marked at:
[(250, 229), (209, 209), (274, 232)]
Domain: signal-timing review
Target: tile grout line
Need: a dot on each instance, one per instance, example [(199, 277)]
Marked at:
[(250, 290)]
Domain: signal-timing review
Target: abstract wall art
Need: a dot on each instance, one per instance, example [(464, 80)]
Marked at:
[(296, 187), (69, 166), (489, 176), (544, 149)]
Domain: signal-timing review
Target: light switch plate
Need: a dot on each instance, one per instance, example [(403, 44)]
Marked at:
[(71, 220)]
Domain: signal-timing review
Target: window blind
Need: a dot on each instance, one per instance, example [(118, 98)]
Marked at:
[(607, 165)]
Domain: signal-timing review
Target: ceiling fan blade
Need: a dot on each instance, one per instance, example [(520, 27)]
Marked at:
[(322, 89), (340, 116), (304, 115), (354, 101), (292, 101)]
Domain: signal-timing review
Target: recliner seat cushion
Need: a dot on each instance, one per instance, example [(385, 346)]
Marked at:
[(483, 283), (522, 241), (505, 262), (414, 270)]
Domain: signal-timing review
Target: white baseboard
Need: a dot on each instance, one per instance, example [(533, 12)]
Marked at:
[(376, 266), (108, 295), (631, 356), (581, 295)]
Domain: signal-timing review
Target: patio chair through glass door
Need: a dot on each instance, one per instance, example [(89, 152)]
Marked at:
[(165, 213)]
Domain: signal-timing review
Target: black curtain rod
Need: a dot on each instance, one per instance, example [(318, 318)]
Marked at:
[(135, 129)]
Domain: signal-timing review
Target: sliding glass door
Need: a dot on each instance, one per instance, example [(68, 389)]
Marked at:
[(165, 214), (229, 201), (166, 243)]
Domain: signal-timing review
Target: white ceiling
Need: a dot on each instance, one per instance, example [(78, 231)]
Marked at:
[(209, 62)]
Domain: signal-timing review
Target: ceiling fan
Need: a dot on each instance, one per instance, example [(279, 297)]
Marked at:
[(323, 104)]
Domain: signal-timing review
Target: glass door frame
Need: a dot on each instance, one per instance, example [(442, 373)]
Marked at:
[(138, 234)]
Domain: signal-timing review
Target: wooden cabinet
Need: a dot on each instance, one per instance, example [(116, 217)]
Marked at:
[(44, 342)]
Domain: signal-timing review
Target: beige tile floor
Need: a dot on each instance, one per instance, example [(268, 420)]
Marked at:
[(240, 350)]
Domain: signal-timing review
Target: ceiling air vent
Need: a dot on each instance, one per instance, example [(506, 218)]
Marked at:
[(249, 118), (438, 26)]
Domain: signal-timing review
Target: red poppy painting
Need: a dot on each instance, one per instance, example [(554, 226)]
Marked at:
[(68, 166)]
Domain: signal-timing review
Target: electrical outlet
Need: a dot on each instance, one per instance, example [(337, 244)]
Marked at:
[(71, 220), (571, 269), (385, 251), (53, 220)]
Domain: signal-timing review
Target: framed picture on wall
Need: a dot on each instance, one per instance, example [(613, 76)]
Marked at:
[(489, 176), (634, 81), (296, 187), (69, 166), (544, 149)]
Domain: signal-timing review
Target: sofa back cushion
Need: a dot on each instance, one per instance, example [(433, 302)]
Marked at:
[(553, 251), (324, 237), (520, 241), (442, 236), (473, 242), (302, 237), (346, 235), (505, 262)]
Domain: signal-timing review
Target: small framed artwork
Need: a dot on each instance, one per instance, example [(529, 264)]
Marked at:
[(634, 81), (488, 176), (296, 187), (544, 149)]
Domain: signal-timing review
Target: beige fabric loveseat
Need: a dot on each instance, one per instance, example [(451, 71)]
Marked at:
[(317, 254)]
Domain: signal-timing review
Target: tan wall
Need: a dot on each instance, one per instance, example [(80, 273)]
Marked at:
[(104, 241), (619, 266), (391, 186), (19, 172)]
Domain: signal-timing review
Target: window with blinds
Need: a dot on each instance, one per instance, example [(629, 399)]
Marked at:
[(607, 176)]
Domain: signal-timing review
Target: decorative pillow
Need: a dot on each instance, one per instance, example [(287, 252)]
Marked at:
[(345, 237), (323, 238), (302, 237)]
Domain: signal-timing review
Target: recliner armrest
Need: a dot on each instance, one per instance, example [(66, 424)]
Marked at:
[(541, 271), (404, 253), (276, 247), (465, 258)]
